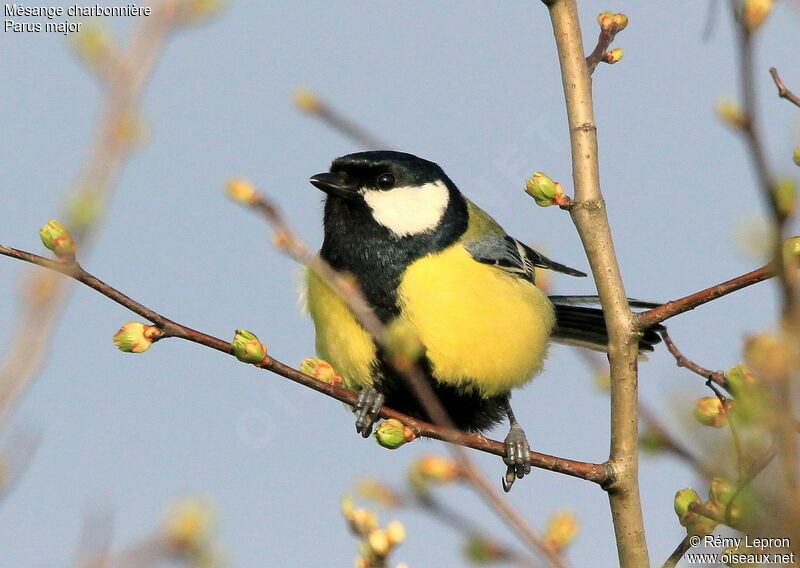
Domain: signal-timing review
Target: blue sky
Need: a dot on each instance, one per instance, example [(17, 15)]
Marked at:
[(473, 86)]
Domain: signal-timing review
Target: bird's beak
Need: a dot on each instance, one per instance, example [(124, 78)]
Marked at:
[(335, 184)]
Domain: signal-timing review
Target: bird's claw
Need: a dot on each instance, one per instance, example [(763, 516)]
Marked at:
[(518, 456), (367, 408)]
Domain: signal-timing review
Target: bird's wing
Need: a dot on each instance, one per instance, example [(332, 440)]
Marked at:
[(513, 256)]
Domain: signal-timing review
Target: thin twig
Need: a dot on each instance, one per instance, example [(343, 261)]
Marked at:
[(589, 471), (125, 76), (673, 308), (286, 239), (604, 41), (784, 428), (342, 124), (650, 421), (670, 443), (466, 527), (783, 92), (678, 553), (591, 221), (717, 377), (737, 443)]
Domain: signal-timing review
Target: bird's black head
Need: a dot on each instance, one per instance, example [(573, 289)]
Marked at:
[(405, 194), (384, 210)]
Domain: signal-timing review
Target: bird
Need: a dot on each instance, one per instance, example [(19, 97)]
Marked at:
[(422, 253)]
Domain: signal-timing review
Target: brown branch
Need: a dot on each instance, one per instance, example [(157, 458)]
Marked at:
[(784, 429), (650, 421), (678, 553), (124, 76), (717, 377), (673, 308), (783, 92), (744, 480), (595, 473), (286, 239), (465, 526), (588, 213), (310, 103), (670, 443), (604, 41)]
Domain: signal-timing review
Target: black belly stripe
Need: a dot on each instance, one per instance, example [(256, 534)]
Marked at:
[(355, 243)]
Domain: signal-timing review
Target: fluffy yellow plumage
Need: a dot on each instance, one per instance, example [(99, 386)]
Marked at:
[(483, 327), (502, 324)]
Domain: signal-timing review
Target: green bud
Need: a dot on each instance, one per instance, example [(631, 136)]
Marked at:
[(84, 206), (480, 550), (754, 12), (606, 20), (683, 499), (651, 441), (796, 156), (241, 190), (94, 44), (321, 370), (785, 193), (247, 348), (614, 55), (402, 343), (194, 11), (731, 112), (721, 491), (698, 525), (542, 188), (740, 379), (709, 412), (769, 355), (136, 337), (391, 434), (791, 247), (56, 238)]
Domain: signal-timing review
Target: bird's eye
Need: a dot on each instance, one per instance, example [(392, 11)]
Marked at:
[(386, 181)]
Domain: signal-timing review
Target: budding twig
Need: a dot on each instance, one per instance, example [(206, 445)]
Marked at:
[(610, 26), (690, 302), (310, 103), (583, 470), (783, 92), (125, 75), (412, 373), (717, 377)]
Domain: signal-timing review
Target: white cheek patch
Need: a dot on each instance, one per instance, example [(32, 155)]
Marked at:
[(409, 210)]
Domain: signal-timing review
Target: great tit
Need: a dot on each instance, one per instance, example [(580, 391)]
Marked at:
[(421, 251)]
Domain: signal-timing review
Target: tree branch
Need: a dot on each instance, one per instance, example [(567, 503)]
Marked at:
[(673, 308), (678, 553), (124, 76), (310, 103), (783, 92), (588, 214), (784, 384), (604, 41), (349, 292), (717, 377), (589, 471)]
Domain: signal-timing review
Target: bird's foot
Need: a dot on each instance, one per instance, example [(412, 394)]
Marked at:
[(518, 456), (367, 408)]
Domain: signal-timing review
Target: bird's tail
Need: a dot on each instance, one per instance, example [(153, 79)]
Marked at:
[(578, 323)]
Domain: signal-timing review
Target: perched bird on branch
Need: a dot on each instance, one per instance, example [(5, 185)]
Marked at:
[(424, 253)]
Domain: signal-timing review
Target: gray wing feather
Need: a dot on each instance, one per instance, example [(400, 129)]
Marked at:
[(513, 256)]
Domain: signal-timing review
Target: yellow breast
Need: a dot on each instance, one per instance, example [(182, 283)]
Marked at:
[(482, 328), (341, 340)]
